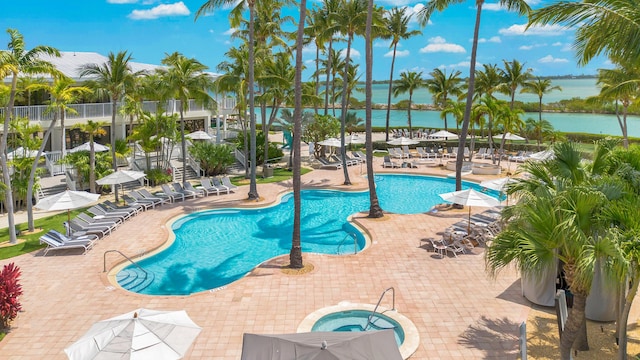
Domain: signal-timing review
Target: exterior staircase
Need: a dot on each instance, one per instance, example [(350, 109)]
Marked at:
[(177, 172)]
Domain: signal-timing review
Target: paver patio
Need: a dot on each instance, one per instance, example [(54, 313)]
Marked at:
[(458, 311)]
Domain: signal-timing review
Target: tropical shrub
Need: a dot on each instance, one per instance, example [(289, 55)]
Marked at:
[(215, 158), (274, 151), (159, 176), (10, 290), (80, 162), (323, 127)]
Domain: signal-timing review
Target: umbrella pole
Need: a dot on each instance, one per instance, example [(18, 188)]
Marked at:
[(469, 222)]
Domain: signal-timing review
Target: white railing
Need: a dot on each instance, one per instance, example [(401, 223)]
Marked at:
[(52, 162), (102, 110)]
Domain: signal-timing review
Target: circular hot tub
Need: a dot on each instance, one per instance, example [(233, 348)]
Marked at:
[(348, 316)]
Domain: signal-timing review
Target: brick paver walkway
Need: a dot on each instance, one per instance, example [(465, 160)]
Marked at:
[(458, 311)]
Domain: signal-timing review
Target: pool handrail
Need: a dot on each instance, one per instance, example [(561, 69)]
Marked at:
[(393, 306)]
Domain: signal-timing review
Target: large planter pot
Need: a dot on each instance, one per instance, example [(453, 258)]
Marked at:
[(540, 288), (466, 165), (601, 302), (486, 169)]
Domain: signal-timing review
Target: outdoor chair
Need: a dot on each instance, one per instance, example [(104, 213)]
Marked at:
[(208, 186), (158, 199), (76, 225), (172, 194), (387, 162), (56, 244), (199, 192), (178, 188), (226, 181), (222, 187)]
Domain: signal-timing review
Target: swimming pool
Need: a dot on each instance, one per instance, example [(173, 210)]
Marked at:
[(214, 248), (358, 321)]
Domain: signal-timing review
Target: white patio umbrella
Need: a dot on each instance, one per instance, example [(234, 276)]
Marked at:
[(542, 155), (139, 334), (86, 147), (442, 134), (355, 139), (470, 198), (402, 141), (333, 142), (120, 177), (22, 153), (497, 184), (67, 200), (198, 135), (509, 136)]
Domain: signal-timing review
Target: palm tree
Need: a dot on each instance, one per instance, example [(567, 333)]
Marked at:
[(375, 211), (513, 75), (519, 6), (93, 129), (397, 28), (558, 217), (278, 77), (235, 17), (510, 121), (330, 9), (187, 80), (538, 130), (539, 87), (441, 86), (487, 80), (492, 108), (408, 82), (111, 79), (620, 85), (350, 20), (605, 27), (295, 255), (62, 94), (14, 61)]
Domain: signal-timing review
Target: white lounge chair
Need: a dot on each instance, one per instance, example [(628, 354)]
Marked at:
[(189, 187), (171, 193), (208, 186), (54, 243)]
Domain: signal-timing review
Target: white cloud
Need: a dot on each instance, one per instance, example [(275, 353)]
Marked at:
[(399, 53), (492, 7), (558, 43), (176, 9), (567, 47), (309, 49), (354, 54), (439, 44), (122, 1), (382, 44), (551, 60), (230, 31), (542, 30), (526, 47), (396, 3), (493, 39)]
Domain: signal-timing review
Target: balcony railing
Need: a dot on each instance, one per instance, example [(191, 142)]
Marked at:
[(103, 110)]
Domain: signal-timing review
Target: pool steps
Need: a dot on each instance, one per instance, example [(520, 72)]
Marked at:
[(134, 279)]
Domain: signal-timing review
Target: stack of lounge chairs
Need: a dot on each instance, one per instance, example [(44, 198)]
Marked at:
[(102, 219)]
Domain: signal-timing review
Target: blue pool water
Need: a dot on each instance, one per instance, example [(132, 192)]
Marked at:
[(356, 320), (216, 247)]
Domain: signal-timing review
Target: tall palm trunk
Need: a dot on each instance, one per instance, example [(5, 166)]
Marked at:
[(624, 316), (343, 116), (92, 166), (63, 136), (393, 62), (375, 211), (114, 160), (409, 114), (317, 87), (8, 195), (539, 121), (34, 168), (253, 186), (467, 111), (295, 256), (328, 77), (184, 145)]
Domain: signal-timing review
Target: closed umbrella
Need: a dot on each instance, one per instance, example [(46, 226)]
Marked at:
[(67, 200), (140, 334), (87, 147), (470, 198), (120, 177)]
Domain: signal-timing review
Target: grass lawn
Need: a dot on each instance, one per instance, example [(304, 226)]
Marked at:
[(32, 241), (279, 174)]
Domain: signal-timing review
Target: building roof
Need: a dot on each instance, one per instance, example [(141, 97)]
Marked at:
[(70, 62)]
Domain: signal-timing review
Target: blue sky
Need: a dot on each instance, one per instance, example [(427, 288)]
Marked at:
[(149, 29)]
